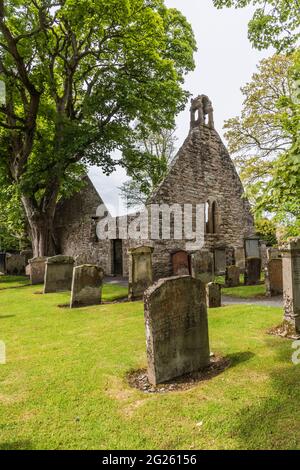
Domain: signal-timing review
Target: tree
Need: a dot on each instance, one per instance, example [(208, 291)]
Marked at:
[(149, 162), (77, 75), (274, 23), (262, 137)]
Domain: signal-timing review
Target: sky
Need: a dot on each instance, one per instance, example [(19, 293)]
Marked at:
[(225, 61)]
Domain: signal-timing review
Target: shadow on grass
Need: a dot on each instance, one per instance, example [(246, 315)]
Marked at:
[(17, 445), (239, 357), (6, 316)]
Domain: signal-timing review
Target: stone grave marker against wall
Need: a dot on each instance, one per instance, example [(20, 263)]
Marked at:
[(181, 263), (176, 328), (232, 276), (273, 253), (15, 264), (220, 260), (140, 271), (86, 285), (37, 270), (240, 258), (252, 247), (252, 271), (274, 277), (59, 273), (213, 295), (202, 265), (291, 283)]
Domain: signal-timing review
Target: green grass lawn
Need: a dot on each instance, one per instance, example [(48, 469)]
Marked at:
[(64, 385), (242, 291), (9, 282)]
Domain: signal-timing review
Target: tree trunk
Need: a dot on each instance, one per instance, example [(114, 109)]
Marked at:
[(41, 228)]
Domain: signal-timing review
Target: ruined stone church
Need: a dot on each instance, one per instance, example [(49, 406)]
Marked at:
[(201, 173)]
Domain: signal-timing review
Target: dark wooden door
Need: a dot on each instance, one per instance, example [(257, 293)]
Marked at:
[(118, 257)]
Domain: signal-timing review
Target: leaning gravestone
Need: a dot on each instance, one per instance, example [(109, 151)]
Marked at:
[(176, 328), (86, 285), (232, 276), (140, 271), (37, 268), (213, 295), (252, 271), (274, 277), (15, 264), (59, 273), (202, 263), (291, 283)]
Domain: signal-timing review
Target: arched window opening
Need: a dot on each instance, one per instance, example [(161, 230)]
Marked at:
[(211, 217)]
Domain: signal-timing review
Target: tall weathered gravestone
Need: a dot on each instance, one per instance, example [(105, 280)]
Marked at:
[(176, 328), (202, 263), (140, 271), (240, 258), (291, 283), (59, 273), (232, 276), (274, 277), (181, 263), (220, 260), (252, 271), (86, 285), (37, 268), (213, 295)]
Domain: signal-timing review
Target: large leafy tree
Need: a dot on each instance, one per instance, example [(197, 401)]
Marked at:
[(77, 74), (261, 138), (277, 156), (275, 22)]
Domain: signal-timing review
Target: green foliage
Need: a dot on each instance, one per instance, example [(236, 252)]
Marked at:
[(275, 22), (147, 161), (77, 75), (266, 229), (264, 140)]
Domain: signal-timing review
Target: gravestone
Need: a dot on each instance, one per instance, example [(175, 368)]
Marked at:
[(59, 274), (140, 271), (274, 277), (176, 328), (181, 263), (15, 264), (202, 264), (37, 268), (220, 261), (2, 263), (273, 253), (232, 276), (263, 255), (27, 255), (252, 271), (86, 285), (82, 259), (252, 247), (240, 258), (213, 295), (291, 283)]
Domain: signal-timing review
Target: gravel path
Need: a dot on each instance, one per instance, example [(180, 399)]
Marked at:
[(265, 302)]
